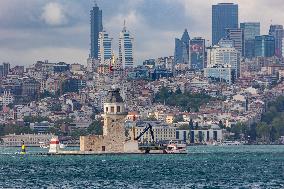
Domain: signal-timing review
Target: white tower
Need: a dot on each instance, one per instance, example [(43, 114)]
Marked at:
[(105, 47), (126, 48)]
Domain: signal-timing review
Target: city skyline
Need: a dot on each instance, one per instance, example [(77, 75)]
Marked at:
[(60, 30)]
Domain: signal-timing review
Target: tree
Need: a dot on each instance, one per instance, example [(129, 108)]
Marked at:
[(263, 131), (183, 127), (196, 126), (95, 128), (221, 125), (178, 118), (191, 124)]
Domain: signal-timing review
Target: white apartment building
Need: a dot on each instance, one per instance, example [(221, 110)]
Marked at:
[(226, 56)]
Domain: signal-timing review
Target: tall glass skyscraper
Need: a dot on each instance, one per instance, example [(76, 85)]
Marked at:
[(264, 46), (105, 48), (96, 28), (126, 48), (278, 33), (181, 55), (250, 30), (224, 16)]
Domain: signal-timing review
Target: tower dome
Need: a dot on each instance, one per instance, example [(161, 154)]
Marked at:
[(114, 103)]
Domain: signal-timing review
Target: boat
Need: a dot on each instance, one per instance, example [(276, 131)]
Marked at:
[(62, 146), (230, 143), (175, 148), (43, 145)]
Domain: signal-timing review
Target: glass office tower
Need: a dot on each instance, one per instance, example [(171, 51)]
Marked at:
[(224, 15)]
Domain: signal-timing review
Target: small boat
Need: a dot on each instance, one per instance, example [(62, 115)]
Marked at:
[(175, 148), (62, 146), (43, 145), (230, 143)]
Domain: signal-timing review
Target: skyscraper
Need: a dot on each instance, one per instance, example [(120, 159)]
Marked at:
[(236, 35), (105, 48), (6, 68), (181, 55), (278, 33), (126, 48), (197, 53), (250, 30), (96, 28), (224, 15), (264, 46)]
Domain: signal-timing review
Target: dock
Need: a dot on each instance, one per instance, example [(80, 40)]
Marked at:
[(89, 153)]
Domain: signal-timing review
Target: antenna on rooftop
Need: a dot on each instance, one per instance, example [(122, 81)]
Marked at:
[(124, 25)]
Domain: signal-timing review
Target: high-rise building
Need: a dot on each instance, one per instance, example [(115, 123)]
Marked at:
[(222, 57), (105, 48), (250, 30), (96, 28), (278, 33), (6, 68), (181, 55), (197, 53), (224, 15), (236, 35), (264, 46), (126, 48)]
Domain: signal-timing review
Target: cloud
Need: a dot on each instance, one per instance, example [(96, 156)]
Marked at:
[(60, 29), (53, 14)]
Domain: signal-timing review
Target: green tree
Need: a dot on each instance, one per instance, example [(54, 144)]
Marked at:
[(263, 131), (96, 127), (183, 127), (178, 118)]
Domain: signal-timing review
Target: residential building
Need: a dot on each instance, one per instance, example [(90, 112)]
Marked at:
[(197, 53), (224, 15), (220, 73), (96, 28), (41, 127), (264, 46), (277, 32), (126, 49), (28, 139), (7, 98), (225, 56)]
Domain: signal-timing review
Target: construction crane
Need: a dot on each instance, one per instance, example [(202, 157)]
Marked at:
[(149, 127)]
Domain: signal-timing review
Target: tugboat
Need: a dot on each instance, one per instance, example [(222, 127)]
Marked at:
[(175, 148)]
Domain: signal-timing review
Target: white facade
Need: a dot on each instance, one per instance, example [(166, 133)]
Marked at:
[(161, 133), (224, 56), (126, 49), (29, 139), (105, 47), (7, 98)]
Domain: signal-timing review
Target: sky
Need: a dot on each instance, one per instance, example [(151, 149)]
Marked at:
[(59, 30)]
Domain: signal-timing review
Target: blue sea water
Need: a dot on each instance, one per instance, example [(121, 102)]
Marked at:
[(202, 167)]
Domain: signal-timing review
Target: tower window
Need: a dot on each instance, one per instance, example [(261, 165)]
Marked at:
[(111, 109), (106, 109), (118, 108)]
